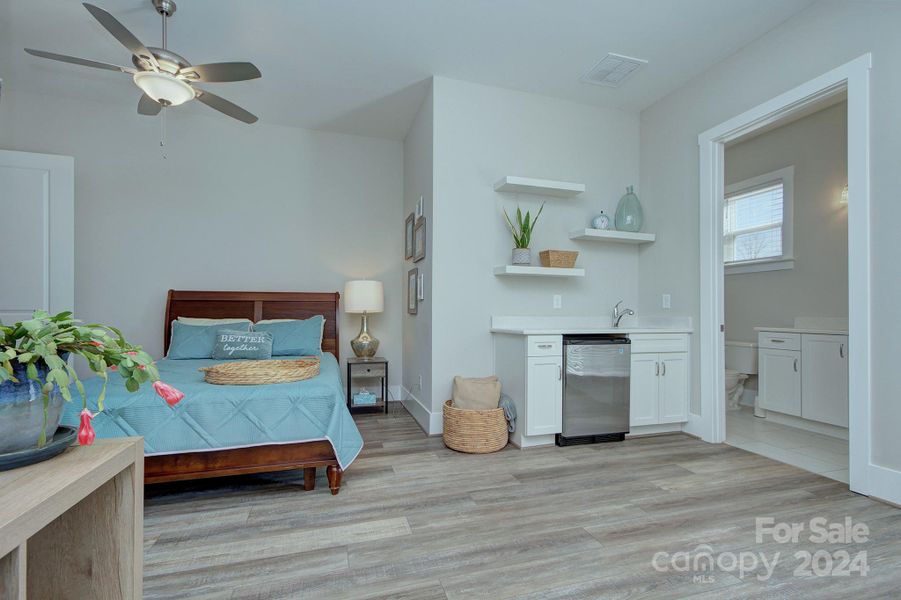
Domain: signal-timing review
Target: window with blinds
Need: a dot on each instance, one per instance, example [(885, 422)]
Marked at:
[(752, 223)]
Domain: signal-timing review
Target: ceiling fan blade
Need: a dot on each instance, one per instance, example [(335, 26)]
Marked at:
[(148, 106), (121, 33), (221, 72), (225, 107), (79, 61)]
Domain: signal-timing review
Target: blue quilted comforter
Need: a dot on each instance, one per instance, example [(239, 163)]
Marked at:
[(211, 417)]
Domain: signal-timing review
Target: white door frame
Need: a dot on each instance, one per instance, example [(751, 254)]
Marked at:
[(853, 77)]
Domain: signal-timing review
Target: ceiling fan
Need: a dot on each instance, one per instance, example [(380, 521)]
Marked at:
[(164, 77)]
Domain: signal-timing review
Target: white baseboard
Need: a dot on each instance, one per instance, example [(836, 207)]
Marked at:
[(807, 425), (885, 484), (643, 430), (432, 423)]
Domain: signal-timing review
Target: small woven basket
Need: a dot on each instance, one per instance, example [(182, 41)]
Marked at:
[(257, 372), (563, 259), (474, 431)]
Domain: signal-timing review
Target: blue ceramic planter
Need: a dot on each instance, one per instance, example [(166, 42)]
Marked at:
[(22, 411)]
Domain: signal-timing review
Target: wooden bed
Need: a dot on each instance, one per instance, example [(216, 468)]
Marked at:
[(255, 306)]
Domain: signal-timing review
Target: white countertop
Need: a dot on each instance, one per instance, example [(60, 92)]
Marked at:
[(591, 325), (803, 330)]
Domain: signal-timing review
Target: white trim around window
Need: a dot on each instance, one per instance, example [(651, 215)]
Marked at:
[(786, 261)]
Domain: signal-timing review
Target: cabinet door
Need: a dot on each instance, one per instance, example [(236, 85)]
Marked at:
[(544, 395), (673, 388), (780, 381), (644, 390), (824, 378)]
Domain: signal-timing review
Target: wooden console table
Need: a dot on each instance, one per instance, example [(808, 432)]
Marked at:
[(72, 526)]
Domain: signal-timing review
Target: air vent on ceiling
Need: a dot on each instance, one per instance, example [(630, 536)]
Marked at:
[(613, 70)]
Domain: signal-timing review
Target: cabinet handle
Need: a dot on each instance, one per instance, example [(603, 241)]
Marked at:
[(559, 373), (663, 372), (545, 345), (796, 365), (657, 369), (841, 350), (777, 341)]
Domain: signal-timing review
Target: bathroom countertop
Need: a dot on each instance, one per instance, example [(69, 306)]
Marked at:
[(803, 330)]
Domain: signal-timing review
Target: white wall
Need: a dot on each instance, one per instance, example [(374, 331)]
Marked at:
[(817, 286), (233, 207), (483, 133), (820, 38), (417, 329)]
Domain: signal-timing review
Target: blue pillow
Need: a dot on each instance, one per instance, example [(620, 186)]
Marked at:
[(302, 337), (255, 345), (196, 341)]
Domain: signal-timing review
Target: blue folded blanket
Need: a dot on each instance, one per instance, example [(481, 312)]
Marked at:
[(509, 412)]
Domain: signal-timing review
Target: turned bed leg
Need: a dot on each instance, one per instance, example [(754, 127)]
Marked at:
[(309, 478), (334, 478)]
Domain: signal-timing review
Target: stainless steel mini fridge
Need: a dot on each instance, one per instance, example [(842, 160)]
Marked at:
[(595, 389)]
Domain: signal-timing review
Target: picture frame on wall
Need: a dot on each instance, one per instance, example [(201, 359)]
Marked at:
[(412, 291), (419, 240), (409, 226)]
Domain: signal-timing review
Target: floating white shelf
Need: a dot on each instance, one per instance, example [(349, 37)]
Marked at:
[(605, 235), (541, 187), (506, 270)]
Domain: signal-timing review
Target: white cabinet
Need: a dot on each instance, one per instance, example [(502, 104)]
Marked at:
[(780, 380), (673, 388), (824, 379), (659, 384), (644, 390), (804, 375), (530, 368), (544, 395)]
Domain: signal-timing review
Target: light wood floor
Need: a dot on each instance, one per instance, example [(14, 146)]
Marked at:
[(415, 520)]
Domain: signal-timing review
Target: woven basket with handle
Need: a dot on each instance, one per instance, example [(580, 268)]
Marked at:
[(474, 431), (565, 259), (257, 372)]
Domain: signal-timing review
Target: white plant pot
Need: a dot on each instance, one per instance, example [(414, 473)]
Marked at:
[(522, 256)]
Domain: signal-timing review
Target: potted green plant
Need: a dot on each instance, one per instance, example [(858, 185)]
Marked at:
[(522, 235), (34, 365)]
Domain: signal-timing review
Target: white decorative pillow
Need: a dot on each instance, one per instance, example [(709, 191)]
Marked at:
[(202, 321)]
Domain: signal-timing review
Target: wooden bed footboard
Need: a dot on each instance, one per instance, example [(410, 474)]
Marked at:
[(242, 461)]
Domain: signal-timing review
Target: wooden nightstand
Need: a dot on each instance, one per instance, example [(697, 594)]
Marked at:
[(366, 374)]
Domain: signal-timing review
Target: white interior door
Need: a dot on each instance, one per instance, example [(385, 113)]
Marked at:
[(37, 243)]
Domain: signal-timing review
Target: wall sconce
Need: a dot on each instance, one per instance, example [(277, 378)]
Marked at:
[(844, 198)]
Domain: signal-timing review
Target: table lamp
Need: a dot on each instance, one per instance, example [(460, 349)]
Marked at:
[(364, 296)]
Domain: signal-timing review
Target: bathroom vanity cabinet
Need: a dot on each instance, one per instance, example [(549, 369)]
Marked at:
[(804, 374)]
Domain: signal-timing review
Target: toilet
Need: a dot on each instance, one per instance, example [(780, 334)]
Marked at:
[(741, 361)]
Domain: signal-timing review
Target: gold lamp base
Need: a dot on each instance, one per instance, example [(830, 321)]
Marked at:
[(364, 345)]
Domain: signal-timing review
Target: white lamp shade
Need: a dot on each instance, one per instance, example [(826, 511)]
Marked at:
[(364, 295), (163, 87)]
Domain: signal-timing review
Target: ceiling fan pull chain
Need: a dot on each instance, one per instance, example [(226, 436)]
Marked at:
[(163, 133)]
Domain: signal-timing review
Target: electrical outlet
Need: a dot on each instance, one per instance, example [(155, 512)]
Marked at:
[(558, 301), (667, 301)]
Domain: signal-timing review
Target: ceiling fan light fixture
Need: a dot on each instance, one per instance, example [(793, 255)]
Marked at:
[(166, 89)]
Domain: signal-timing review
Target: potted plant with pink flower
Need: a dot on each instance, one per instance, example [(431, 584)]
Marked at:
[(36, 376)]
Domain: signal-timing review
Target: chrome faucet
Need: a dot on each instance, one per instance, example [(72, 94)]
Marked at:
[(619, 314)]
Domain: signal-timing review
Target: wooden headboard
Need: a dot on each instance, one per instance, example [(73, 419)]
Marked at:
[(256, 306)]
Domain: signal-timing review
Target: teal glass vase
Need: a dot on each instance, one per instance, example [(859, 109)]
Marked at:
[(629, 216)]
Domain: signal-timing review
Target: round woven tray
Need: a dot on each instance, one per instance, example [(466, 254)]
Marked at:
[(256, 372), (474, 431)]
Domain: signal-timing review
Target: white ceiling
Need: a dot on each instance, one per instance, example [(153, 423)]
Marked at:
[(362, 66)]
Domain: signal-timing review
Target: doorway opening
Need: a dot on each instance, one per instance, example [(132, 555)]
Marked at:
[(850, 81), (785, 252)]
